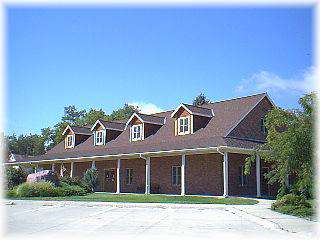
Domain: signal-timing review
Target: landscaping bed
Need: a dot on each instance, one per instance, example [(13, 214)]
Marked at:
[(142, 198)]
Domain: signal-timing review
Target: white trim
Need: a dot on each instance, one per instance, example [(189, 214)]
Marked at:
[(71, 169), (118, 176), (186, 151), (94, 125), (189, 125), (177, 109), (189, 111), (143, 121), (102, 137), (183, 177), (243, 117), (147, 175), (141, 137), (72, 141), (67, 127), (225, 175)]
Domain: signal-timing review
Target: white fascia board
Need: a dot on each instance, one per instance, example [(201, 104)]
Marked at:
[(177, 109), (95, 124), (65, 130)]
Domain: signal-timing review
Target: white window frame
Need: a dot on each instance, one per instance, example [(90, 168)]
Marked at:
[(129, 176), (97, 137), (179, 124), (72, 141), (133, 127), (175, 177)]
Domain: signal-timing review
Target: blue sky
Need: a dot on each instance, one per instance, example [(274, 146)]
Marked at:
[(156, 57)]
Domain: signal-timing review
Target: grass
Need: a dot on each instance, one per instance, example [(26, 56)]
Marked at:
[(142, 198)]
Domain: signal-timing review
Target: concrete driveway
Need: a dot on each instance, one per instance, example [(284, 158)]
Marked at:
[(50, 219)]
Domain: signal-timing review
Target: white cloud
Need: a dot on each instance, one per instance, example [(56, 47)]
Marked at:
[(147, 108), (270, 82)]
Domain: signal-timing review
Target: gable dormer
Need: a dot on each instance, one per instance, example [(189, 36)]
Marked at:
[(75, 135), (104, 131), (143, 126), (189, 118)]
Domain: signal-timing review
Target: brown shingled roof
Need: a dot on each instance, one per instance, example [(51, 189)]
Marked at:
[(226, 115), (113, 125)]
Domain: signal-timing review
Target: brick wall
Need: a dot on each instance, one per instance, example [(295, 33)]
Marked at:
[(204, 174), (161, 174), (138, 176), (250, 126)]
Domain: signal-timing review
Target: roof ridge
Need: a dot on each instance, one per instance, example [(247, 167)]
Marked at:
[(237, 98), (150, 115), (196, 106)]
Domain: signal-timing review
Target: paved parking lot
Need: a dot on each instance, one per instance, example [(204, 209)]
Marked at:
[(30, 219)]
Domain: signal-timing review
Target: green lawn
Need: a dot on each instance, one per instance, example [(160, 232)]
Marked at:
[(142, 198)]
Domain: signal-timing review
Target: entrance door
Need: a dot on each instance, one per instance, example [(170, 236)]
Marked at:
[(265, 187), (110, 181)]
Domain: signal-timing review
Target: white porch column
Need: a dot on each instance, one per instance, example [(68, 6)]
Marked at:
[(225, 174), (71, 169), (36, 168), (147, 176), (61, 170), (258, 176), (183, 165), (93, 165), (118, 176), (53, 167)]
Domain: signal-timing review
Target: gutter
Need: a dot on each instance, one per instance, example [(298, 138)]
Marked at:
[(220, 149)]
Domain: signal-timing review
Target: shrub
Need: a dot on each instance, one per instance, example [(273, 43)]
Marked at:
[(37, 189), (75, 181), (70, 190), (15, 176), (292, 200), (11, 192), (91, 178)]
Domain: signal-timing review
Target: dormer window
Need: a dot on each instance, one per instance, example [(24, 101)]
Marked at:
[(99, 137), (69, 141), (136, 132), (184, 125)]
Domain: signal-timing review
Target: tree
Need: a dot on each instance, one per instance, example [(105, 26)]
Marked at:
[(92, 116), (90, 177), (72, 115), (200, 100), (30, 145), (122, 113), (289, 147), (15, 176)]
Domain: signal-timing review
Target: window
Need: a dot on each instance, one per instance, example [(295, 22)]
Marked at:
[(176, 175), (262, 126), (136, 132), (243, 179), (129, 172), (69, 141), (99, 137), (183, 125)]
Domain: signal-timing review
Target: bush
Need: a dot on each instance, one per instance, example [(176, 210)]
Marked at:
[(70, 190), (75, 181), (15, 176), (294, 205), (91, 178), (37, 189), (11, 192), (291, 199)]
